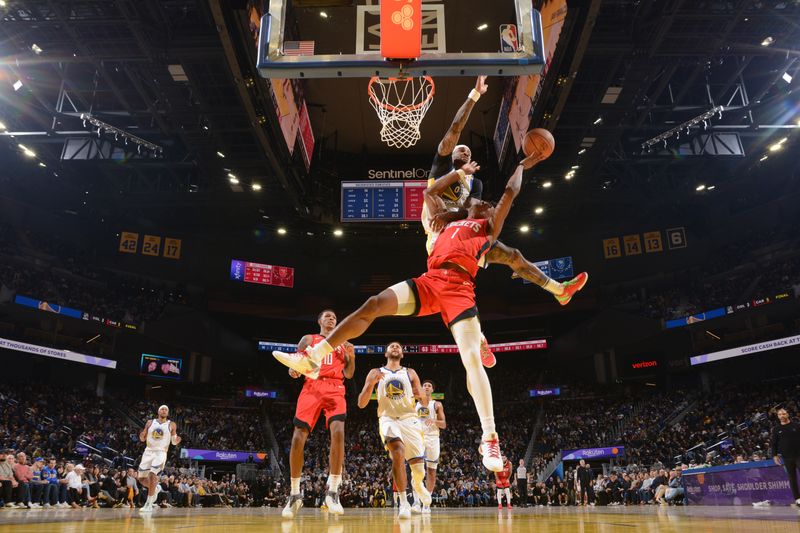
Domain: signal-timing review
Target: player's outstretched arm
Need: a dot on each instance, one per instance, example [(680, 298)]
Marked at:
[(173, 431), (349, 360), (373, 378), (450, 139), (416, 386), (143, 433), (441, 422), (432, 193), (513, 186)]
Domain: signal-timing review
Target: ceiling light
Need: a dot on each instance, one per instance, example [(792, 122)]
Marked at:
[(256, 186), (582, 151), (700, 187), (598, 121), (483, 27), (36, 49), (233, 179), (711, 187), (17, 85), (569, 175), (524, 229), (2, 126), (231, 176), (768, 41), (787, 77), (575, 167), (338, 232), (281, 231), (764, 158), (539, 210), (42, 164), (547, 184), (29, 153), (2, 3), (775, 147), (220, 155), (783, 140), (323, 14)]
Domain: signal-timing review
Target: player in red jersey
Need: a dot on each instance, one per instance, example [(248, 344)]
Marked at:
[(502, 480), (447, 288), (322, 391)]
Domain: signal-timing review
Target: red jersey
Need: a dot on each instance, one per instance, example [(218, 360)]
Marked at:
[(503, 477), (464, 243), (332, 366)]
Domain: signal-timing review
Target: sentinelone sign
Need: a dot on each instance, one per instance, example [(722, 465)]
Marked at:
[(785, 342)]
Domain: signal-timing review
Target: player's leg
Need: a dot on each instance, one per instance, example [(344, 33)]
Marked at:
[(354, 325), (431, 462), (467, 334), (499, 498), (305, 405), (414, 443), (336, 460), (513, 258), (507, 492), (398, 456)]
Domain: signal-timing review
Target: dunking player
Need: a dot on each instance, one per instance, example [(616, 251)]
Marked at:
[(158, 433), (431, 415), (468, 188), (502, 480), (322, 391), (447, 289), (400, 429)]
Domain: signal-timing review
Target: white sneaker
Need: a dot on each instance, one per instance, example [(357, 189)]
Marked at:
[(405, 511), (333, 504), (146, 508), (797, 501), (36, 506), (426, 509), (299, 362), (416, 508), (293, 506), (47, 506), (490, 450), (21, 505)]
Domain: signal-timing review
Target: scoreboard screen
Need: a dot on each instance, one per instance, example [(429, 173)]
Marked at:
[(261, 274), (371, 201)]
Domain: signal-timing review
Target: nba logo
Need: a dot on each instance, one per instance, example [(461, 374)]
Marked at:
[(508, 38)]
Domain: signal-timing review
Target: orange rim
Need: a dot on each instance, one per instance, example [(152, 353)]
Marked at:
[(402, 109)]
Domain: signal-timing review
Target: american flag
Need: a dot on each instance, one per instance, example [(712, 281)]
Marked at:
[(298, 48)]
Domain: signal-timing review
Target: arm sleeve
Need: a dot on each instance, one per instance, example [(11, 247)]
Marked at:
[(442, 164), (477, 189)]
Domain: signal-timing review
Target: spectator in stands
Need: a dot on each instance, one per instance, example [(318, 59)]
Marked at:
[(785, 446), (24, 475), (674, 492), (133, 488), (9, 483), (50, 489), (38, 483), (645, 492), (75, 489)]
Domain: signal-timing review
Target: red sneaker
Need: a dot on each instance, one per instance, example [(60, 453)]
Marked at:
[(571, 287), (487, 357), (509, 507), (500, 507)]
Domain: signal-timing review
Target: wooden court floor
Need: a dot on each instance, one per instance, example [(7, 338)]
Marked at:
[(268, 520)]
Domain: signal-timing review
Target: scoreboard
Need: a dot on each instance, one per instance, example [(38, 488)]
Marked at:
[(261, 274), (370, 201)]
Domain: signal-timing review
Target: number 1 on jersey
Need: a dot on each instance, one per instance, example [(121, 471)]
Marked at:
[(453, 236)]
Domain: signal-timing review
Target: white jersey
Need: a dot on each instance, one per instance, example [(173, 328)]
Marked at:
[(425, 412), (158, 436), (395, 398)]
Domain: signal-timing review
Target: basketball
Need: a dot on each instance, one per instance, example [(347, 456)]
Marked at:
[(539, 141)]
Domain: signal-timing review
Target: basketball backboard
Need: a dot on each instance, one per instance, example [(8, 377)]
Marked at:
[(459, 38)]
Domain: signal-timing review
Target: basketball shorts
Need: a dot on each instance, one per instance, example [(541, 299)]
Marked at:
[(431, 451), (317, 396), (408, 430), (153, 461), (443, 291)]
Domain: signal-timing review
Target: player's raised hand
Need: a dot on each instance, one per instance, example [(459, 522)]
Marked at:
[(480, 85), (531, 161), (471, 168)]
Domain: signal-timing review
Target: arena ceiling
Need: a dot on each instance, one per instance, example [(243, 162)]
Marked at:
[(180, 74)]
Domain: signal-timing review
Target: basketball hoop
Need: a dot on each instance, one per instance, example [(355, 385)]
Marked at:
[(401, 104)]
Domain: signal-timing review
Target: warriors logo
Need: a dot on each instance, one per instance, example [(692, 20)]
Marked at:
[(395, 390)]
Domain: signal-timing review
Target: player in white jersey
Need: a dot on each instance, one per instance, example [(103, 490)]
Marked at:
[(158, 433), (431, 415), (398, 425)]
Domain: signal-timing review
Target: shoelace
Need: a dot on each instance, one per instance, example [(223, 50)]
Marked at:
[(493, 448)]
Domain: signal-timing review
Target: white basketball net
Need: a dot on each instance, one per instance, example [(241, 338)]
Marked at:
[(401, 104)]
